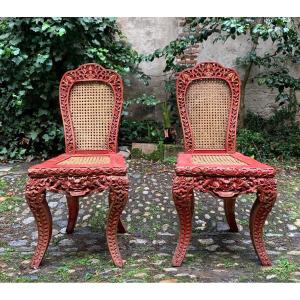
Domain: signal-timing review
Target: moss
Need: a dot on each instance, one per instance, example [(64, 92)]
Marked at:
[(136, 153), (170, 160), (282, 269), (98, 219), (63, 273), (10, 203), (157, 155), (4, 277), (3, 184)]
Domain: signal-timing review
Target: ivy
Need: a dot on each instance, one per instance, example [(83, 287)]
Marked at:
[(34, 54), (275, 67)]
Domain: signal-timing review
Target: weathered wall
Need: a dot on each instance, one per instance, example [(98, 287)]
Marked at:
[(148, 34), (258, 99)]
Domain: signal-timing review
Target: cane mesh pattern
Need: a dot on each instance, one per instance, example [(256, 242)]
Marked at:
[(86, 160), (92, 105), (216, 159), (208, 106)]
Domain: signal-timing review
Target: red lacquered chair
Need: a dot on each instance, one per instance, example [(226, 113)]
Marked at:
[(208, 98), (91, 100)]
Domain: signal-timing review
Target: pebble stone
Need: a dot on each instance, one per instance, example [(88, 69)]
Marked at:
[(28, 220), (206, 242), (152, 222), (18, 243), (291, 227)]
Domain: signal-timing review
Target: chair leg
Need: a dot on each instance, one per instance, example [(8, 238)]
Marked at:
[(36, 200), (73, 208), (184, 201), (266, 197), (229, 207), (121, 228), (118, 198)]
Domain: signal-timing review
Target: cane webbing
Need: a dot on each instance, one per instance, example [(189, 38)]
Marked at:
[(86, 160), (208, 106), (216, 159), (91, 105)]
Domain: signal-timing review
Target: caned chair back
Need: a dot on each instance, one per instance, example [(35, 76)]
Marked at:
[(208, 102), (91, 100)]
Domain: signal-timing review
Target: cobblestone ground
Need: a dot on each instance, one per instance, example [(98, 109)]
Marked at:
[(215, 255)]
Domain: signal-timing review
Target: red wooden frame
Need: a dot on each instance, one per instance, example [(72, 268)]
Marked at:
[(80, 180), (90, 72), (208, 70), (224, 181)]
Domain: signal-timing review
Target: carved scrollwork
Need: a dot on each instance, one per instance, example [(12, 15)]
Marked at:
[(208, 70), (75, 186), (90, 72), (77, 172), (225, 188), (224, 172)]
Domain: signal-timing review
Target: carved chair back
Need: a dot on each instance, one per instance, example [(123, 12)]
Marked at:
[(91, 100), (208, 98)]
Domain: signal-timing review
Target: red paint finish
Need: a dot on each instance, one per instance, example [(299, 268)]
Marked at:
[(223, 181), (80, 180)]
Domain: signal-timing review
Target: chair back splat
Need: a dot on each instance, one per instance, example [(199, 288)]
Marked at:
[(91, 102), (208, 102)]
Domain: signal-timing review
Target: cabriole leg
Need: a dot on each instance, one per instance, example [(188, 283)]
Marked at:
[(73, 208), (121, 227), (266, 197), (229, 208), (36, 198), (118, 198), (184, 201)]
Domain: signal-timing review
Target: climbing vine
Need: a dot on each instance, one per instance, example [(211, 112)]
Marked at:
[(275, 65), (34, 54)]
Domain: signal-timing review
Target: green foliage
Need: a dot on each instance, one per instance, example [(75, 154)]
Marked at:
[(252, 143), (282, 269), (277, 137), (166, 114), (34, 54), (170, 160), (157, 155), (136, 153), (274, 65), (10, 203), (147, 100), (146, 131)]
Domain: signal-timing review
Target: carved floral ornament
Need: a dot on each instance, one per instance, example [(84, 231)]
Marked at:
[(90, 72), (202, 71), (223, 181), (77, 181)]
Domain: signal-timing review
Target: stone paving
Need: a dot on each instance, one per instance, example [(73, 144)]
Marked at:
[(215, 255)]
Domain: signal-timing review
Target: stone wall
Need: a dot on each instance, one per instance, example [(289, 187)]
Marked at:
[(148, 34)]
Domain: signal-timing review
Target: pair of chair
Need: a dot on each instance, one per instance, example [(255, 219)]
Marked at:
[(91, 100)]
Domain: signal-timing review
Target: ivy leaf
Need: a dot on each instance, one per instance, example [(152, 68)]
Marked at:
[(61, 31), (46, 137), (45, 26), (33, 135), (16, 51)]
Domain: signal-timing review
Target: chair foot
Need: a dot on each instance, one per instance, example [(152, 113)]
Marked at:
[(266, 197), (229, 208), (184, 202), (118, 198), (36, 198), (73, 208)]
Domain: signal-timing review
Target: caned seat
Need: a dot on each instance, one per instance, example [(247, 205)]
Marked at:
[(208, 98), (235, 164), (91, 99), (66, 164)]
